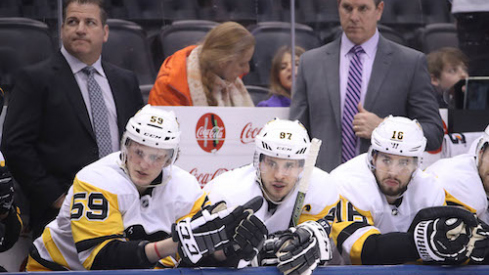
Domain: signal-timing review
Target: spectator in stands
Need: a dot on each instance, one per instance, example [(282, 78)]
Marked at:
[(472, 19), (207, 74), (345, 88), (121, 210), (281, 77), (66, 112), (446, 66)]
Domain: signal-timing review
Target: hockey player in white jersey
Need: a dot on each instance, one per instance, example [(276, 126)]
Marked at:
[(121, 210), (281, 148), (466, 180), (382, 191)]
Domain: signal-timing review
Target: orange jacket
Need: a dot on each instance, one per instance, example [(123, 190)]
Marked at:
[(171, 86)]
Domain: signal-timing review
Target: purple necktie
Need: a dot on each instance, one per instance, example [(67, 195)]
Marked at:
[(352, 98)]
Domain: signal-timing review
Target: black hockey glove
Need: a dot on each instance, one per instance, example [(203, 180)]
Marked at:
[(479, 243), (248, 239), (210, 229), (442, 234), (299, 249), (6, 190)]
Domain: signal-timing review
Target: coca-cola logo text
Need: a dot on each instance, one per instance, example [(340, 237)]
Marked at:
[(249, 133), (204, 178), (210, 132)]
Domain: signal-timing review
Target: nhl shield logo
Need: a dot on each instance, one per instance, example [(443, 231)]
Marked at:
[(210, 132)]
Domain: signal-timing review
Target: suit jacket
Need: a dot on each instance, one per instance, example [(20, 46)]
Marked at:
[(399, 86), (48, 135)]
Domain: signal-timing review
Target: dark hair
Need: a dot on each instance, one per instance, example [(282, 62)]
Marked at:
[(99, 3), (447, 55), (377, 2), (275, 85)]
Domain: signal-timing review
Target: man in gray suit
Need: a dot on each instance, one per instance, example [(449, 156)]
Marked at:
[(341, 95)]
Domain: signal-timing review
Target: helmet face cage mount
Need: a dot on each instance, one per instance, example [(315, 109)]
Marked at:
[(482, 145), (152, 127), (283, 139)]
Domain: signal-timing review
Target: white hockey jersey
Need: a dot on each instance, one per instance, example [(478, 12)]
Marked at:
[(363, 200), (103, 204), (461, 180), (238, 186)]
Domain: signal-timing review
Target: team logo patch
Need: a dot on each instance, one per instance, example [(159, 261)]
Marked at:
[(210, 132)]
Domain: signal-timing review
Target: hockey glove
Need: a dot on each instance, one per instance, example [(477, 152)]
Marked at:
[(210, 229), (248, 239), (304, 248), (478, 246), (442, 233), (6, 190)]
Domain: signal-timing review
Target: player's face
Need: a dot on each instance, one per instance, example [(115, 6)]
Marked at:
[(145, 163), (393, 173), (359, 18), (83, 33), (237, 67), (484, 168), (285, 73), (279, 176)]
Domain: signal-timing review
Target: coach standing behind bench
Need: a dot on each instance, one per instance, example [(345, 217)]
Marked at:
[(345, 88), (67, 111)]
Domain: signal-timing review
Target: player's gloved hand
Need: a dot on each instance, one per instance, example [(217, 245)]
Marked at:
[(6, 190), (210, 229), (442, 234), (248, 238), (300, 251), (478, 246), (267, 254)]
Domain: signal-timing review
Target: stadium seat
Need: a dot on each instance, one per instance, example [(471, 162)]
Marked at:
[(128, 48), (436, 36), (177, 36), (268, 10), (258, 93), (327, 12), (29, 38), (242, 11), (436, 11), (10, 8), (269, 37)]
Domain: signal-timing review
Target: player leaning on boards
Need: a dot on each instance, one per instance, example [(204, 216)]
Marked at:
[(121, 210), (384, 189), (466, 181), (278, 166)]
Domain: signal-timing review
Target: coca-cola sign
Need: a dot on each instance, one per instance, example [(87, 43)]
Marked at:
[(249, 133), (203, 178), (210, 132)]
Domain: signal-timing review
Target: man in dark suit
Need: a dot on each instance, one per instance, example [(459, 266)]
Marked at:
[(389, 79), (50, 130)]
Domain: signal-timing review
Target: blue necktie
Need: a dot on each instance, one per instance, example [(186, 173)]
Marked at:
[(99, 113), (352, 98)]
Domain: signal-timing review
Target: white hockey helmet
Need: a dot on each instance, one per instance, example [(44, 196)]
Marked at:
[(152, 127), (482, 144), (398, 136), (279, 138), (283, 139)]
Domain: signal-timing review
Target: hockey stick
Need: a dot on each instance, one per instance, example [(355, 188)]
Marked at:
[(304, 181)]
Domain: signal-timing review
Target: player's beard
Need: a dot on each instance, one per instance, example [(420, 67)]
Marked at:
[(392, 192)]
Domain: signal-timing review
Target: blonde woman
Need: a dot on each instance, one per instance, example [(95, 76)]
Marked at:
[(207, 74)]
